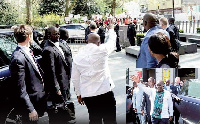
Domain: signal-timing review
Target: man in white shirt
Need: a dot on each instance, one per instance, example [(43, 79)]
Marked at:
[(161, 101), (92, 80)]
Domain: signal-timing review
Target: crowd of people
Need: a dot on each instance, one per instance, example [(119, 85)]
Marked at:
[(36, 82), (154, 102)]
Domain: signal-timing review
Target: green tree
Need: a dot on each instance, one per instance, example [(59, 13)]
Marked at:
[(52, 6), (68, 6), (8, 14), (86, 8), (28, 12)]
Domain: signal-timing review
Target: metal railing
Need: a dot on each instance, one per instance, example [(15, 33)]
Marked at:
[(76, 43), (188, 26)]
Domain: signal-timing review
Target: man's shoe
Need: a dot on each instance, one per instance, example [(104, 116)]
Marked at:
[(117, 50)]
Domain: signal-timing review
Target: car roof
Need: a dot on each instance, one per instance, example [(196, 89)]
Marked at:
[(70, 24)]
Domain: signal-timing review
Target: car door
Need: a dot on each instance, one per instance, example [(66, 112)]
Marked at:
[(7, 46), (189, 107)]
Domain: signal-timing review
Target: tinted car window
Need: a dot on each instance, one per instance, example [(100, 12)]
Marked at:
[(79, 27), (70, 27), (190, 88), (7, 46), (73, 27)]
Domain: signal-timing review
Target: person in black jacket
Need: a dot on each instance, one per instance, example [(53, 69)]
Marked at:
[(27, 81), (68, 54), (174, 27), (56, 73), (116, 29), (131, 33), (173, 40), (87, 30), (101, 32), (159, 47)]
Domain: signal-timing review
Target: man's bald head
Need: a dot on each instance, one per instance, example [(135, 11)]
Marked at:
[(149, 21), (94, 38), (160, 86)]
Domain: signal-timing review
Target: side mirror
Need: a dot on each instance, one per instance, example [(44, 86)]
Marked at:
[(82, 28)]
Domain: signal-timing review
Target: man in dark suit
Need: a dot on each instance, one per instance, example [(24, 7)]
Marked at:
[(116, 29), (165, 25), (131, 33), (56, 72), (68, 54), (28, 92), (174, 27)]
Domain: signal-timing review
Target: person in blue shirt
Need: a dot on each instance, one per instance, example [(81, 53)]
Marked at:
[(145, 59)]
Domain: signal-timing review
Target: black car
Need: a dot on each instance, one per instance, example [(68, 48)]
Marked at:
[(189, 106)]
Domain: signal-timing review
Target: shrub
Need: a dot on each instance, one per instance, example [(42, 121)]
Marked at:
[(138, 37), (47, 20), (198, 30), (181, 31)]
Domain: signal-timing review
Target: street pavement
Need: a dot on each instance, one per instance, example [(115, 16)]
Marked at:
[(190, 60)]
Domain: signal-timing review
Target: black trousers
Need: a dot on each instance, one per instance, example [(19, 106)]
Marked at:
[(118, 45), (132, 41), (101, 107)]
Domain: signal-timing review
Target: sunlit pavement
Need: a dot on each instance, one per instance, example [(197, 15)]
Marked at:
[(190, 60)]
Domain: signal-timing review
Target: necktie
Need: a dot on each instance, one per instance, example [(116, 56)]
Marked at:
[(36, 63)]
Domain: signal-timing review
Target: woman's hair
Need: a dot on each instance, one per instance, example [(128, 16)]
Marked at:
[(159, 43)]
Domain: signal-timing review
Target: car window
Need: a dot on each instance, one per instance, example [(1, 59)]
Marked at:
[(79, 27), (70, 27), (7, 46), (190, 88)]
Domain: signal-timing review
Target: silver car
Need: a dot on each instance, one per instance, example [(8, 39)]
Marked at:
[(75, 30)]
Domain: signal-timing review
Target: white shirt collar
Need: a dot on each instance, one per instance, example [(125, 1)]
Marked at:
[(23, 47)]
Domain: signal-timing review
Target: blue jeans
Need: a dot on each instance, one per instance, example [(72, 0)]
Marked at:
[(159, 121)]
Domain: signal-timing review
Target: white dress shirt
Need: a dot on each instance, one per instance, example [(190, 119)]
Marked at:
[(57, 46), (27, 52), (137, 99), (167, 108), (90, 72)]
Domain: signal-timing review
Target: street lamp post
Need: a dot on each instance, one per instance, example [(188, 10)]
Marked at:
[(158, 8), (173, 8)]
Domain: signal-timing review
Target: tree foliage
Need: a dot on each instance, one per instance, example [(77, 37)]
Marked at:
[(86, 8), (52, 6), (8, 14)]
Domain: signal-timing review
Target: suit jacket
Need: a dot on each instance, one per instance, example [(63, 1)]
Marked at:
[(172, 38), (67, 52), (28, 90), (145, 60), (176, 31), (56, 71), (146, 103)]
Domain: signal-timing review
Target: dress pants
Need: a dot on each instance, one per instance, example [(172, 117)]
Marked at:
[(101, 107), (160, 121)]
